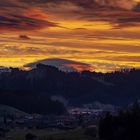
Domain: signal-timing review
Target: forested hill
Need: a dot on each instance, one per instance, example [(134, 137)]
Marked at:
[(38, 85)]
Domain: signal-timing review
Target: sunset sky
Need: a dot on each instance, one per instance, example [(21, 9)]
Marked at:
[(105, 34)]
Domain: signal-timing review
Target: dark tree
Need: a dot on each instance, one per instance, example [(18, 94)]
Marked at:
[(125, 126)]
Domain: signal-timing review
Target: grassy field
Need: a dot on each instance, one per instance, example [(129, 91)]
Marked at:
[(77, 134)]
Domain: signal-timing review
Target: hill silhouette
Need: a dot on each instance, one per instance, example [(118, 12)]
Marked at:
[(61, 64), (32, 90)]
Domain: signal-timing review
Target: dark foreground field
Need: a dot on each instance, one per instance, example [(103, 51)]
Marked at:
[(77, 134)]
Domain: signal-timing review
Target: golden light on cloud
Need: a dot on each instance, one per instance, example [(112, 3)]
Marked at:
[(86, 25)]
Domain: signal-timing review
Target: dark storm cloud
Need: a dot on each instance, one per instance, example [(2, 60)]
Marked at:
[(15, 15), (125, 4), (23, 23), (121, 13), (31, 14)]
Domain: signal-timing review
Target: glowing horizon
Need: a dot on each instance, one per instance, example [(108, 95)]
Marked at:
[(101, 33)]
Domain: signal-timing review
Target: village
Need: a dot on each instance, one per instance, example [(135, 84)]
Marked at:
[(74, 119)]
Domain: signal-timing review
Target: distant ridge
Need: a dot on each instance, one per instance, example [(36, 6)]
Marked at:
[(11, 111), (62, 64), (4, 69)]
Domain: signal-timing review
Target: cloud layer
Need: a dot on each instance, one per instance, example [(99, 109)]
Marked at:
[(105, 34), (16, 15), (32, 15)]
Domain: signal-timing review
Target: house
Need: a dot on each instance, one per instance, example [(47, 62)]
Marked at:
[(31, 136)]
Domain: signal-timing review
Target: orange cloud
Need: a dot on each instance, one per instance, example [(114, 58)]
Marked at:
[(80, 67), (35, 12)]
